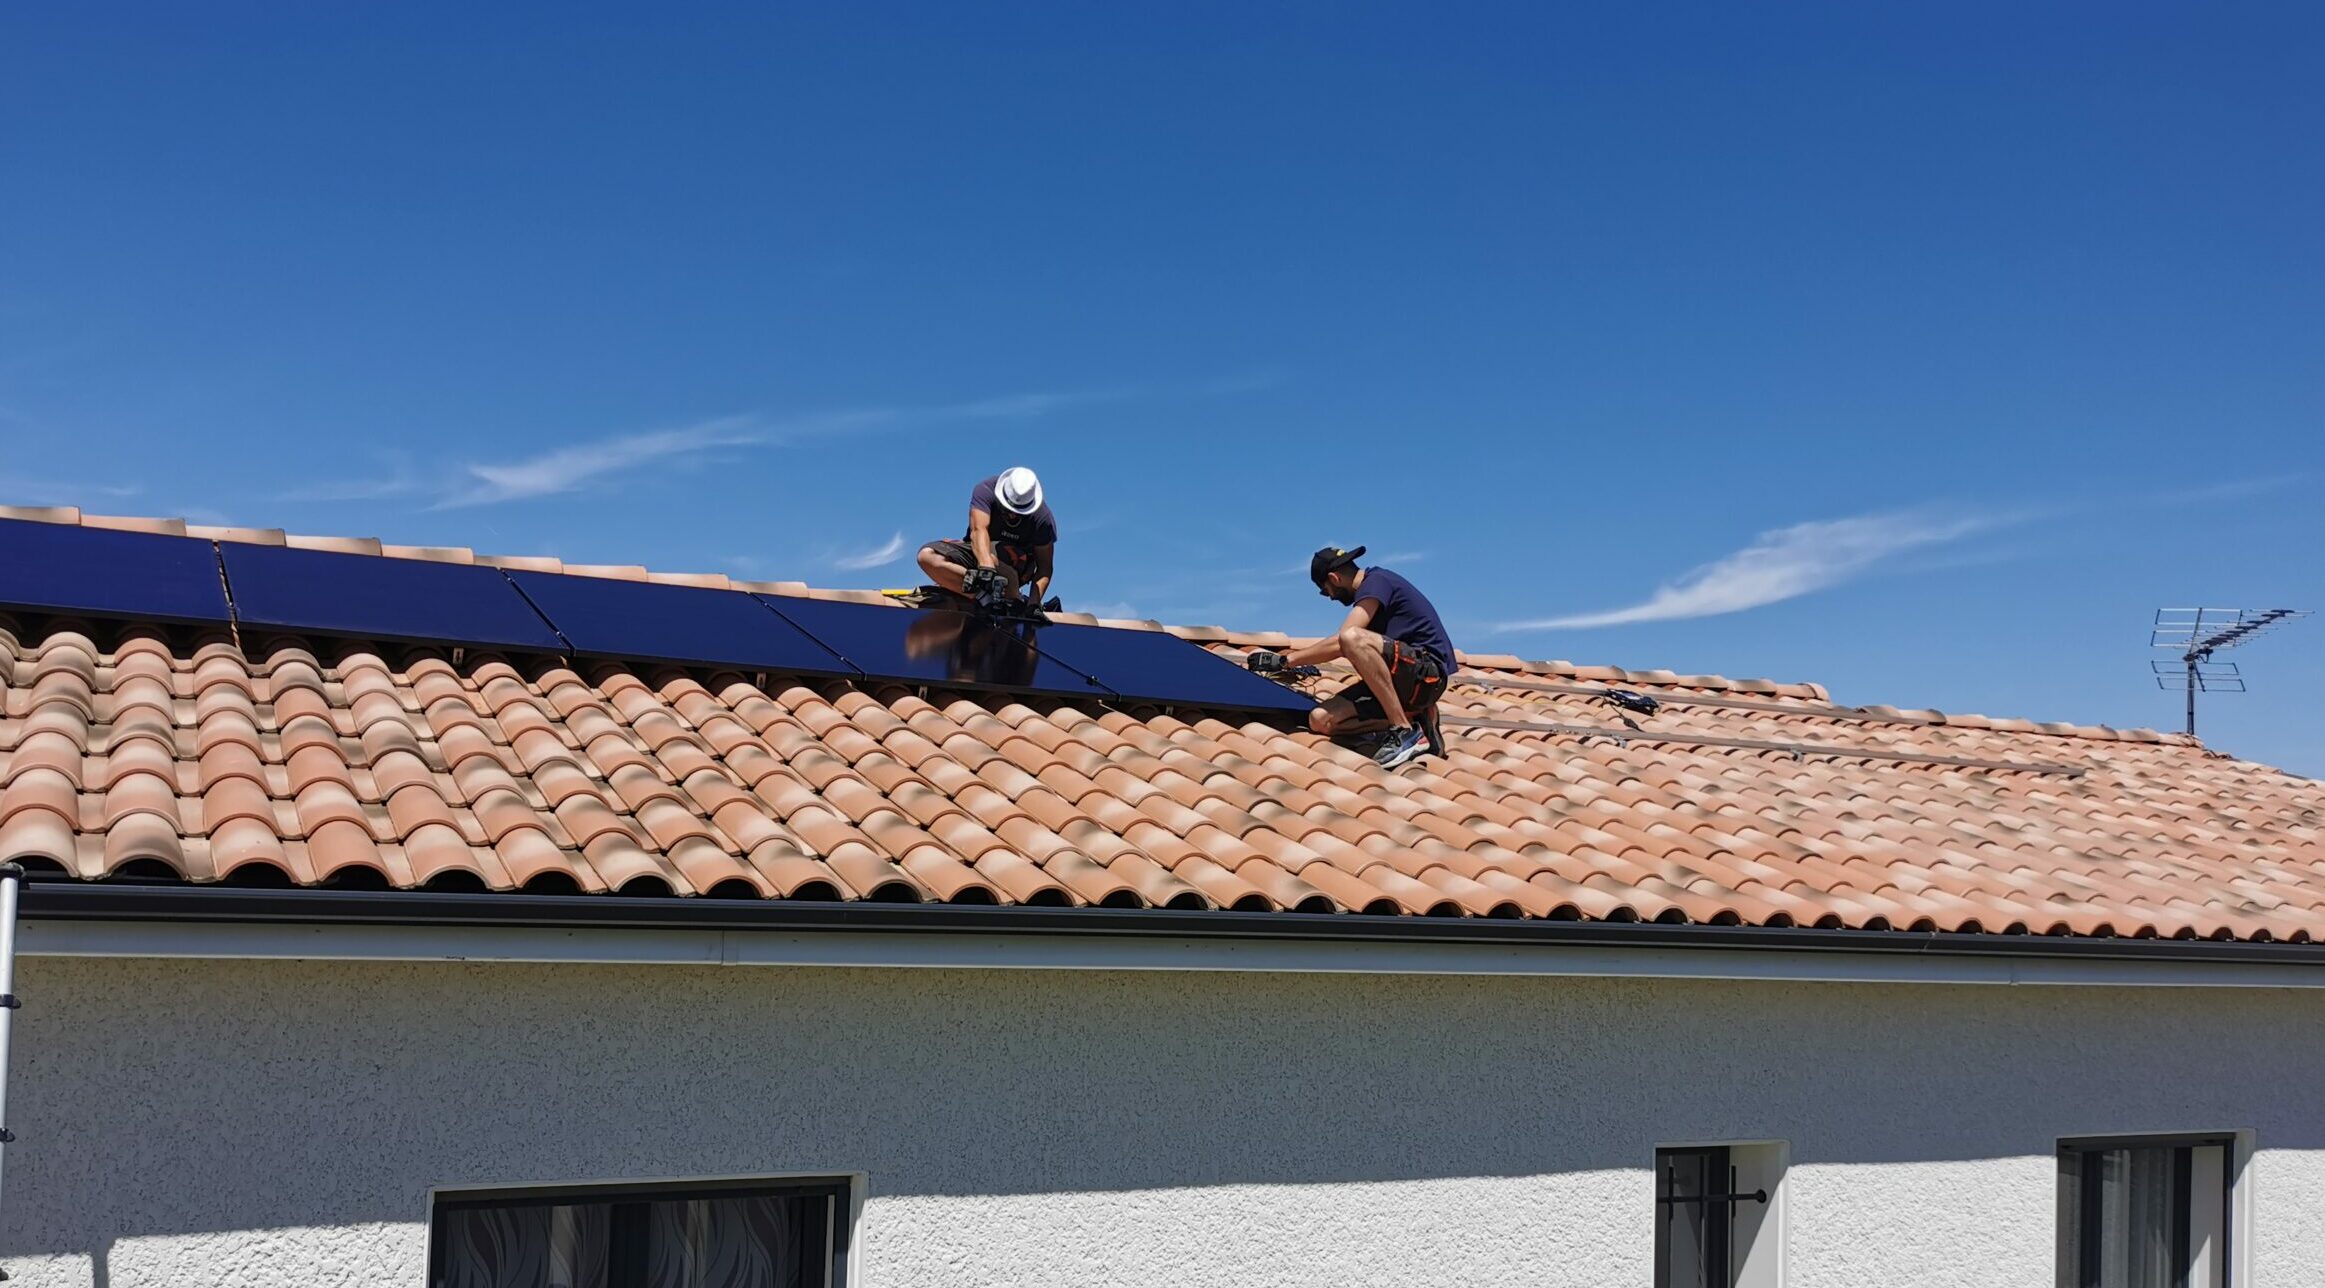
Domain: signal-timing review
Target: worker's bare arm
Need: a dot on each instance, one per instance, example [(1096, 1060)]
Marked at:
[(1326, 649), (1044, 569), (981, 538)]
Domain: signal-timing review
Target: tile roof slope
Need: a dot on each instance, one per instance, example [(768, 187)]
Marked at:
[(130, 750)]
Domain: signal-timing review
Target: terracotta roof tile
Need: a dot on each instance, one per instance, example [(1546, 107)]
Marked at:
[(132, 749)]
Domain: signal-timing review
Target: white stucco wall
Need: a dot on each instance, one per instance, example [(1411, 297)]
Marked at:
[(280, 1123)]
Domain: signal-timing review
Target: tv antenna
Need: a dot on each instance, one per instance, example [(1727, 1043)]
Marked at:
[(2198, 633)]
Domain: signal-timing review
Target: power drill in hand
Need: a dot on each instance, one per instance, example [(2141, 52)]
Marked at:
[(988, 589)]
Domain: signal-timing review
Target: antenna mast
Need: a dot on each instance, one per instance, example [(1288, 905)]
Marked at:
[(2196, 634)]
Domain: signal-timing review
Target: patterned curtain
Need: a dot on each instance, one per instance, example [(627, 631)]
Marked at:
[(739, 1242), (526, 1247), (724, 1243)]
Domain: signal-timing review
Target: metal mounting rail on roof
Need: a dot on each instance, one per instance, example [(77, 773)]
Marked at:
[(1798, 749), (1819, 710)]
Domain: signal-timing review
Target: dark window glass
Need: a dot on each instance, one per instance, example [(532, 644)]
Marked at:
[(2141, 1214), (727, 1236), (1692, 1218)]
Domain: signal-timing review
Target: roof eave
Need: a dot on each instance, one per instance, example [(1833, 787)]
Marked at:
[(74, 918)]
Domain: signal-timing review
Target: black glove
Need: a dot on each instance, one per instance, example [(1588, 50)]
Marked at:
[(1302, 672), (1265, 661), (977, 583)]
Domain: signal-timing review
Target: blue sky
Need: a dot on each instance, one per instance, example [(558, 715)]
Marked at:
[(1923, 354)]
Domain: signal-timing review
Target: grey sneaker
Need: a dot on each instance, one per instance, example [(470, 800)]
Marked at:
[(1403, 745)]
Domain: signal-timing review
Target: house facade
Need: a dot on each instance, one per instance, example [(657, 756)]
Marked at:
[(350, 963), (271, 1120)]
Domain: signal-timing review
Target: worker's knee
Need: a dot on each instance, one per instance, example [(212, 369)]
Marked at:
[(1320, 722), (1356, 640), (930, 560)]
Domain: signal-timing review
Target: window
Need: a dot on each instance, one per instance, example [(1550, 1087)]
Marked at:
[(774, 1234), (2145, 1212), (1715, 1216)]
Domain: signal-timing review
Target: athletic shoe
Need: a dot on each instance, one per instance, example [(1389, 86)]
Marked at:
[(1403, 745)]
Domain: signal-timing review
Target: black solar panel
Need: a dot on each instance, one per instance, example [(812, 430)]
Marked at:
[(683, 624), (375, 597), (65, 568), (1151, 666), (936, 646)]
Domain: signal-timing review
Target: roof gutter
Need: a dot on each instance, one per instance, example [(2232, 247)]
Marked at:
[(71, 918)]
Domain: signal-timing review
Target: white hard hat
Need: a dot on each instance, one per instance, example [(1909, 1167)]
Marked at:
[(1018, 490)]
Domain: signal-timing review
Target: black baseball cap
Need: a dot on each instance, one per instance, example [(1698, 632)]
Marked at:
[(1329, 558)]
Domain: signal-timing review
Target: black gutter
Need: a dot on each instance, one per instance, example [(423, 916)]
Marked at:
[(65, 899)]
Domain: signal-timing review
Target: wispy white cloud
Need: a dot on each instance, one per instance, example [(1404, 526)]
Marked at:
[(1019, 406), (1782, 564), (569, 469), (395, 476), (354, 489), (2232, 490), (581, 466), (887, 552), (18, 489)]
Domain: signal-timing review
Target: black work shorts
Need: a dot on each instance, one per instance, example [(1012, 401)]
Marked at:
[(1415, 672), (954, 552), (958, 553)]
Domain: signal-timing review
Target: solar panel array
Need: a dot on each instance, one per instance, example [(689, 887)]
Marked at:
[(92, 571), (932, 646), (371, 597), (65, 569)]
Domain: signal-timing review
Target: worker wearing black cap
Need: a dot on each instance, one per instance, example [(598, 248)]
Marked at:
[(1396, 642)]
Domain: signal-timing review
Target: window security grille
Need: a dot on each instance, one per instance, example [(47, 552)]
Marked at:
[(726, 1235), (1695, 1217)]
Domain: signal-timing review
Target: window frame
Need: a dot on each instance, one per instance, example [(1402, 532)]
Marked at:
[(840, 1190), (2085, 1151)]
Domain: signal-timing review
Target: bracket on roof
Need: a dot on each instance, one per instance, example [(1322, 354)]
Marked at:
[(1629, 700)]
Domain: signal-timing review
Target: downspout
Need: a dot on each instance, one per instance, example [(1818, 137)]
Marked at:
[(11, 882)]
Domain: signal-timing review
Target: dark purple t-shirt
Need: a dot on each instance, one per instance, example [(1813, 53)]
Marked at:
[(1406, 615), (1022, 533)]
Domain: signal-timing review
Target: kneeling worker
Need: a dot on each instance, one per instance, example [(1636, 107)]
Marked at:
[(1394, 639), (1012, 536)]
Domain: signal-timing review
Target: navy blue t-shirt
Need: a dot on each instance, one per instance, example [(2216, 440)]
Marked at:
[(1406, 615), (1020, 533)]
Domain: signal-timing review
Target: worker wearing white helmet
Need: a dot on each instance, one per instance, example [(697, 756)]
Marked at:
[(1011, 532)]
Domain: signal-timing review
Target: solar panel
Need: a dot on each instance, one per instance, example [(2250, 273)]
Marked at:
[(1152, 666), (66, 568), (683, 624), (936, 646), (377, 597)]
